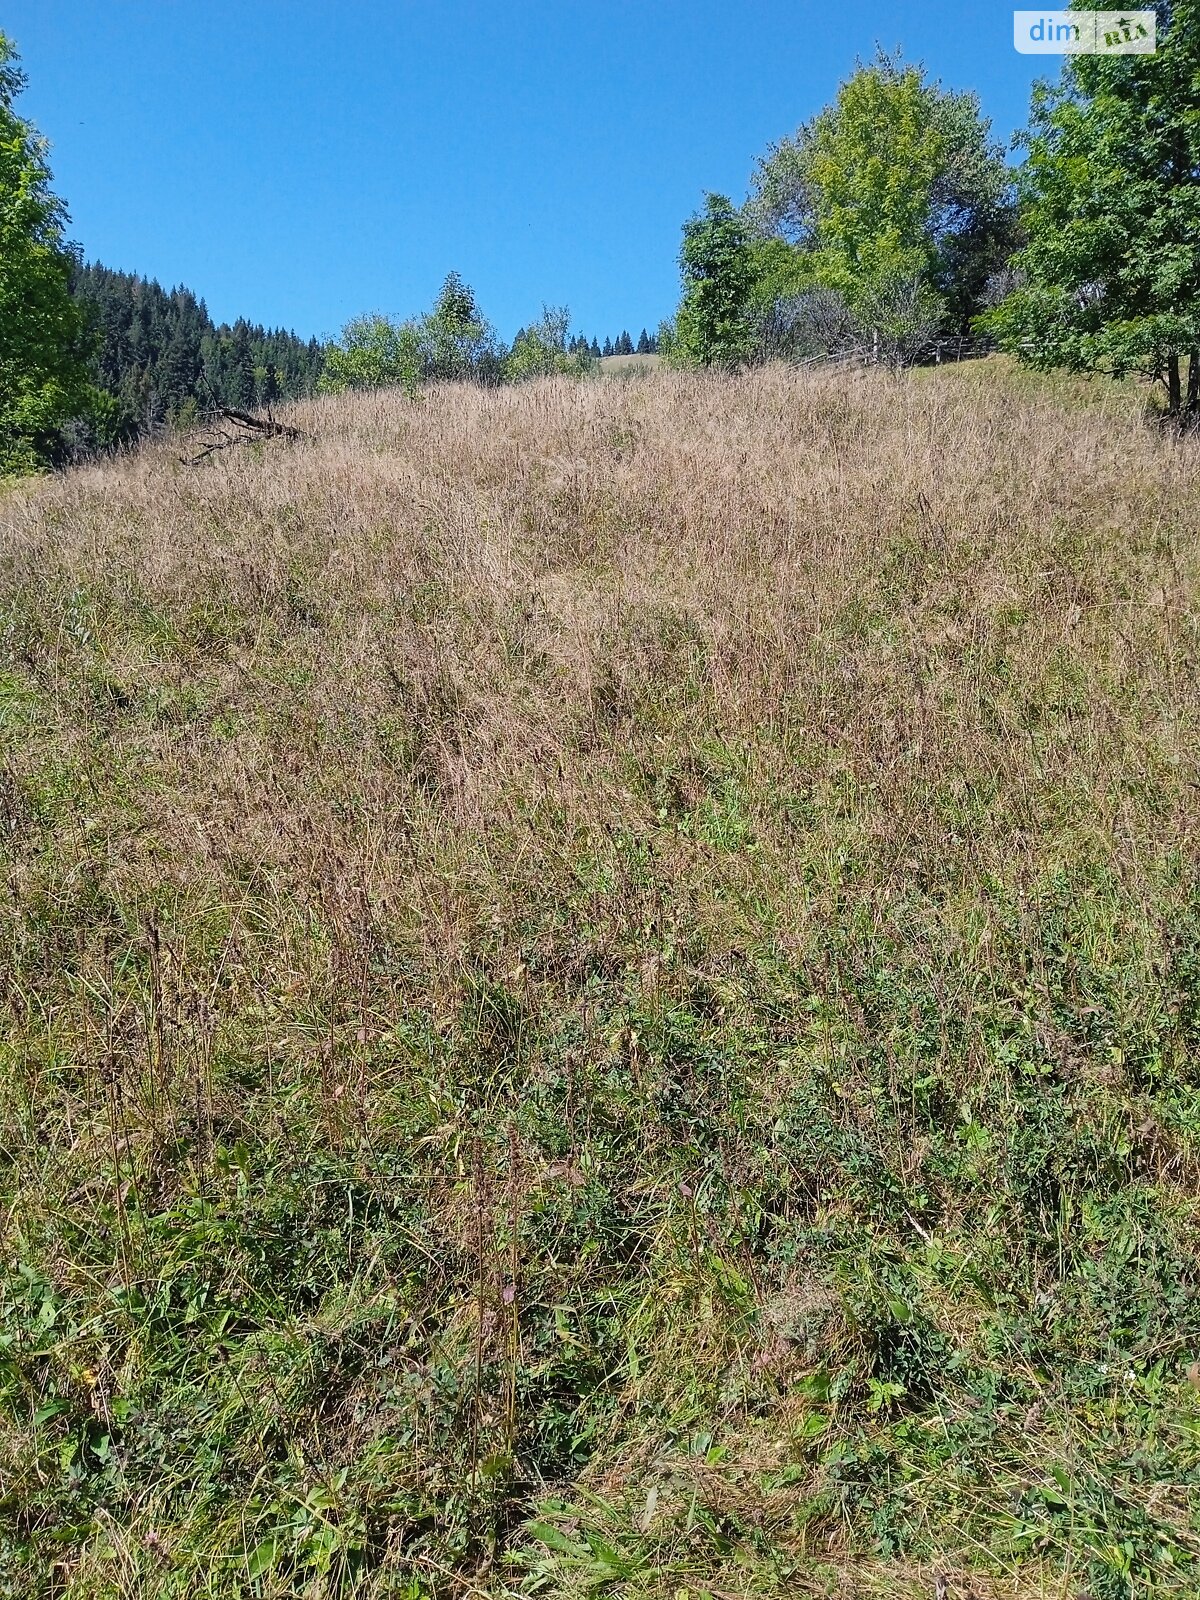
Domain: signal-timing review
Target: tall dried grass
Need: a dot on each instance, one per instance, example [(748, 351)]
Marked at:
[(422, 810)]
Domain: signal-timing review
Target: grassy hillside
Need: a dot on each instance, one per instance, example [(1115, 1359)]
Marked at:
[(629, 364), (602, 990)]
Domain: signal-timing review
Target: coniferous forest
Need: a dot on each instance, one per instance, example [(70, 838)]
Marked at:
[(159, 358)]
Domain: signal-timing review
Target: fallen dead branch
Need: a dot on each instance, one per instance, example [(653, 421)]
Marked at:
[(251, 429)]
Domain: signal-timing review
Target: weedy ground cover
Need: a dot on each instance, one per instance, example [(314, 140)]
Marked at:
[(602, 992)]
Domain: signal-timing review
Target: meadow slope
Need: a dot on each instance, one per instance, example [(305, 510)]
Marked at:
[(601, 990)]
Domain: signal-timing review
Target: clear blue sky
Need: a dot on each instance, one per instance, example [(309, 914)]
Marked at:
[(298, 161)]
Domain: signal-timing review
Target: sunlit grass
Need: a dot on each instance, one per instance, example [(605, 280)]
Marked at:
[(602, 990)]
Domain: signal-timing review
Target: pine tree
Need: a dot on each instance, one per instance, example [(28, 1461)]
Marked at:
[(608, 348), (643, 344)]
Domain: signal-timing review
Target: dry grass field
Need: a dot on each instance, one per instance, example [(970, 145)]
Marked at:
[(601, 993)]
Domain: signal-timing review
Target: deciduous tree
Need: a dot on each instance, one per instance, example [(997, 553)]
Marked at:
[(457, 340), (1109, 275), (43, 378), (541, 349), (896, 196), (374, 352)]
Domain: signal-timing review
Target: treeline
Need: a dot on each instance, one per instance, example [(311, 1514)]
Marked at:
[(454, 340), (890, 226), (877, 230), (158, 360), (883, 229), (92, 358), (157, 357), (622, 345)]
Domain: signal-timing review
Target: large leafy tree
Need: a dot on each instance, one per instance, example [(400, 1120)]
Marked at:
[(895, 193), (43, 381), (1109, 276)]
